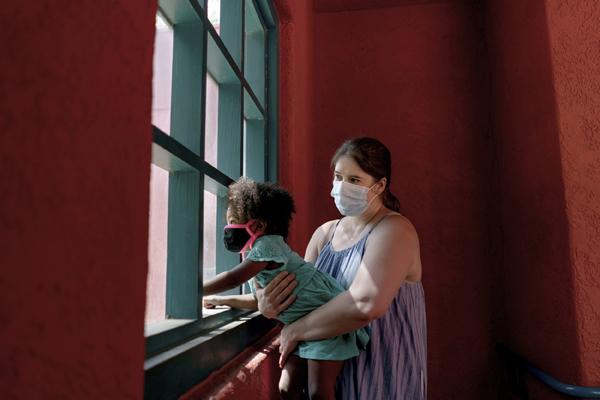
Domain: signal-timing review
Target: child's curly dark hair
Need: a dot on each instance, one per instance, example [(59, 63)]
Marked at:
[(268, 202)]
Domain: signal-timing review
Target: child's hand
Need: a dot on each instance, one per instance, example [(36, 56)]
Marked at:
[(211, 301)]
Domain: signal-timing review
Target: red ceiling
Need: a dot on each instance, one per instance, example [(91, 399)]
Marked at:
[(346, 5)]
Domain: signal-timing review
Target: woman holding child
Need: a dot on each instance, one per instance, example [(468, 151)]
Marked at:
[(373, 253)]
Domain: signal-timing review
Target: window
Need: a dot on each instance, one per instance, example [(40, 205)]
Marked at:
[(214, 119)]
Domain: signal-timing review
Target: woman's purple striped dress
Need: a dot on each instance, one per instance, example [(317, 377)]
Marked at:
[(394, 366)]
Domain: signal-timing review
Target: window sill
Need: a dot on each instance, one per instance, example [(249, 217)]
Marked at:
[(157, 327), (171, 372)]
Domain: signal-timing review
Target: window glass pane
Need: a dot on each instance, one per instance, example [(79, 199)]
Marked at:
[(214, 13), (254, 58), (230, 28), (254, 149), (209, 260), (217, 64), (157, 248), (212, 120), (251, 110), (234, 142), (244, 146), (225, 260), (162, 74)]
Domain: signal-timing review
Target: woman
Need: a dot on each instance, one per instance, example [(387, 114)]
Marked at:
[(373, 251)]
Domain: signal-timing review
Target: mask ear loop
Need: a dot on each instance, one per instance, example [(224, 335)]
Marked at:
[(253, 236), (372, 186), (374, 197)]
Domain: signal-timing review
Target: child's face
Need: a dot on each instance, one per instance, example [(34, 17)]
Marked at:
[(230, 219), (257, 226)]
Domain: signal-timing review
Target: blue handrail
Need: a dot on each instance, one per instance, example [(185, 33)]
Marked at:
[(587, 392)]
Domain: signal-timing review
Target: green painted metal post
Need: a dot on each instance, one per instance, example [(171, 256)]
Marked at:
[(184, 252)]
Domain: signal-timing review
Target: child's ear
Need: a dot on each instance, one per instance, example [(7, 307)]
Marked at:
[(259, 226)]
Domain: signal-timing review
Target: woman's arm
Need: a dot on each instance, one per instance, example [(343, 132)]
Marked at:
[(277, 295), (234, 277), (391, 251), (241, 301)]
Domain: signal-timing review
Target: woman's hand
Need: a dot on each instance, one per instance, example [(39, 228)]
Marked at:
[(277, 295), (287, 343), (211, 301)]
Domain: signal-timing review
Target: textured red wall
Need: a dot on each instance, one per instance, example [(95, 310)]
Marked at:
[(413, 77), (484, 151), (545, 113), (575, 54), (75, 149), (347, 5), (295, 121), (75, 97), (255, 371)]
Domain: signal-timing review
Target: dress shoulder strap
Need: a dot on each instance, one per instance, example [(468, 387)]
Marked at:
[(379, 220), (331, 232)]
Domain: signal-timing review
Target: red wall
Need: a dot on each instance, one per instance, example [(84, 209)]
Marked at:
[(295, 101), (75, 97), (413, 77), (255, 370), (544, 68), (536, 277), (575, 54), (493, 139), (500, 175)]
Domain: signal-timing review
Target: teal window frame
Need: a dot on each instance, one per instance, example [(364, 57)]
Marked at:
[(187, 347)]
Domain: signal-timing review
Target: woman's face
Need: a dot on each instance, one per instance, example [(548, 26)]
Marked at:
[(347, 170)]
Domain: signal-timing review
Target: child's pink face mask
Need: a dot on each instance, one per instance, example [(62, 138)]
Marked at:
[(239, 237)]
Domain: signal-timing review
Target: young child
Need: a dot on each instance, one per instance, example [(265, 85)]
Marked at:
[(258, 217)]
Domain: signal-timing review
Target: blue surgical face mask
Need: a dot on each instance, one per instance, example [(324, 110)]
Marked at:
[(350, 199)]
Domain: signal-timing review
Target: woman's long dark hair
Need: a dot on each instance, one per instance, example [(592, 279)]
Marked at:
[(375, 159)]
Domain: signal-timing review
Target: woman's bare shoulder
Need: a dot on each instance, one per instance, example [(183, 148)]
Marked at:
[(318, 240), (395, 224), (322, 232), (327, 225)]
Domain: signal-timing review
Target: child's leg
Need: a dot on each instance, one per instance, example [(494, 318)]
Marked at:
[(322, 375), (293, 378)]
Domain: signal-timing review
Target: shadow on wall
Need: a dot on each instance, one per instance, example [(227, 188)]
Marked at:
[(255, 371), (531, 227)]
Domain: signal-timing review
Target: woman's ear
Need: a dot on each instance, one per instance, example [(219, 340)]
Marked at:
[(382, 185)]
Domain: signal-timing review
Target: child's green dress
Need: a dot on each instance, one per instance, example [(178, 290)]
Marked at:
[(314, 289)]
